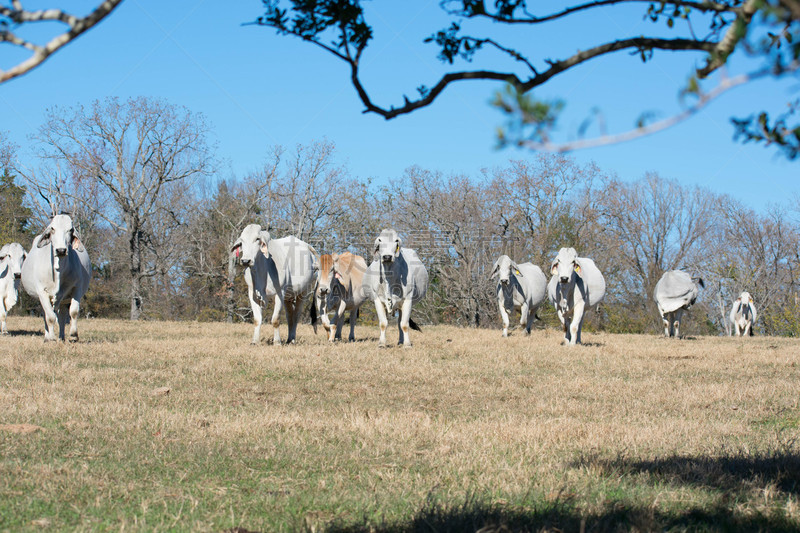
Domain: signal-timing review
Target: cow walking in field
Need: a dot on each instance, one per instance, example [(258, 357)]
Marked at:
[(576, 284), (57, 271), (397, 279), (743, 315), (675, 293), (339, 289), (11, 258), (519, 286), (281, 270)]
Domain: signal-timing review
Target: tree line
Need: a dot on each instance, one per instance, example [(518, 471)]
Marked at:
[(142, 184)]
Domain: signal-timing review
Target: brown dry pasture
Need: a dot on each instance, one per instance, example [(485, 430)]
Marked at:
[(186, 426)]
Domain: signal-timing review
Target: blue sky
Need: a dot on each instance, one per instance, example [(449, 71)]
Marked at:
[(258, 89)]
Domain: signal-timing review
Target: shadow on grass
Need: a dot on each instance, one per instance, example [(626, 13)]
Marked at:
[(732, 472), (735, 475), (25, 332), (613, 517)]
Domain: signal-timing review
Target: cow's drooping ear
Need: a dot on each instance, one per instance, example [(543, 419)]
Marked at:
[(45, 239), (376, 247), (577, 267), (495, 269), (516, 270), (397, 244), (76, 242), (3, 252), (264, 238), (554, 268)]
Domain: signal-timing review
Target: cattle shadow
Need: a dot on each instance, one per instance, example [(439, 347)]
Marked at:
[(23, 333), (613, 516), (733, 472)]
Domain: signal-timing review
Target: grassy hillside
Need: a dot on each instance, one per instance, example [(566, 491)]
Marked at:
[(466, 430)]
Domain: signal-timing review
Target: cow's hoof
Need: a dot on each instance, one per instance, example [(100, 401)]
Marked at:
[(73, 338), (381, 345), (3, 333), (409, 345)]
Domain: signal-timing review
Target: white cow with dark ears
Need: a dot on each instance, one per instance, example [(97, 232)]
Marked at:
[(576, 284), (57, 271), (743, 315), (520, 286), (282, 270), (11, 258), (397, 279)]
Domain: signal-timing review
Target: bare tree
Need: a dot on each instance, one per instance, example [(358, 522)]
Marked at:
[(14, 16), (651, 226), (451, 221), (135, 154), (540, 206), (215, 228)]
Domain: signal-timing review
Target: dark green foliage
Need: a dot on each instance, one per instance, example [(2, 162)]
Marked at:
[(14, 215)]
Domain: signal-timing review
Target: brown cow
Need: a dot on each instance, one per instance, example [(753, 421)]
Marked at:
[(339, 289)]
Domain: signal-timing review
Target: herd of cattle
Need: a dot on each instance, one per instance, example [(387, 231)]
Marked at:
[(285, 271)]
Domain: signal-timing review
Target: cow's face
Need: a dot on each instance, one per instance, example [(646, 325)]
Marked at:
[(565, 264), (252, 241), (13, 255), (743, 304), (326, 275), (60, 233), (387, 246), (504, 268)]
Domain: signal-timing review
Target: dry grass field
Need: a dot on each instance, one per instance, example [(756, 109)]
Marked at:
[(185, 426)]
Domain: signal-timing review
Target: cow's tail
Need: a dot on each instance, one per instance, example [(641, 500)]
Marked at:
[(413, 325), (313, 313)]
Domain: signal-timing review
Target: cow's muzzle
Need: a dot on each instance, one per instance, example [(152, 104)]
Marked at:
[(564, 279), (246, 262), (504, 281), (17, 275), (387, 258), (61, 252)]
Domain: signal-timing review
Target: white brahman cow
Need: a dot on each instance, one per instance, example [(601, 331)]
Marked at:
[(743, 315), (11, 258), (57, 271), (576, 284), (675, 293), (339, 288), (279, 269), (519, 286), (395, 280)]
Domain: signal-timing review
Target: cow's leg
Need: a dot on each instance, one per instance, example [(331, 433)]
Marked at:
[(353, 320), (523, 315), (339, 320), (256, 308), (292, 308), (677, 323), (504, 317), (747, 329), (63, 313), (276, 320), (50, 319), (380, 310), (3, 314), (575, 323), (665, 321), (531, 317), (405, 315), (564, 325), (74, 309)]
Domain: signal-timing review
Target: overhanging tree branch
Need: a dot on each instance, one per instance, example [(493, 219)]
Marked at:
[(16, 15)]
